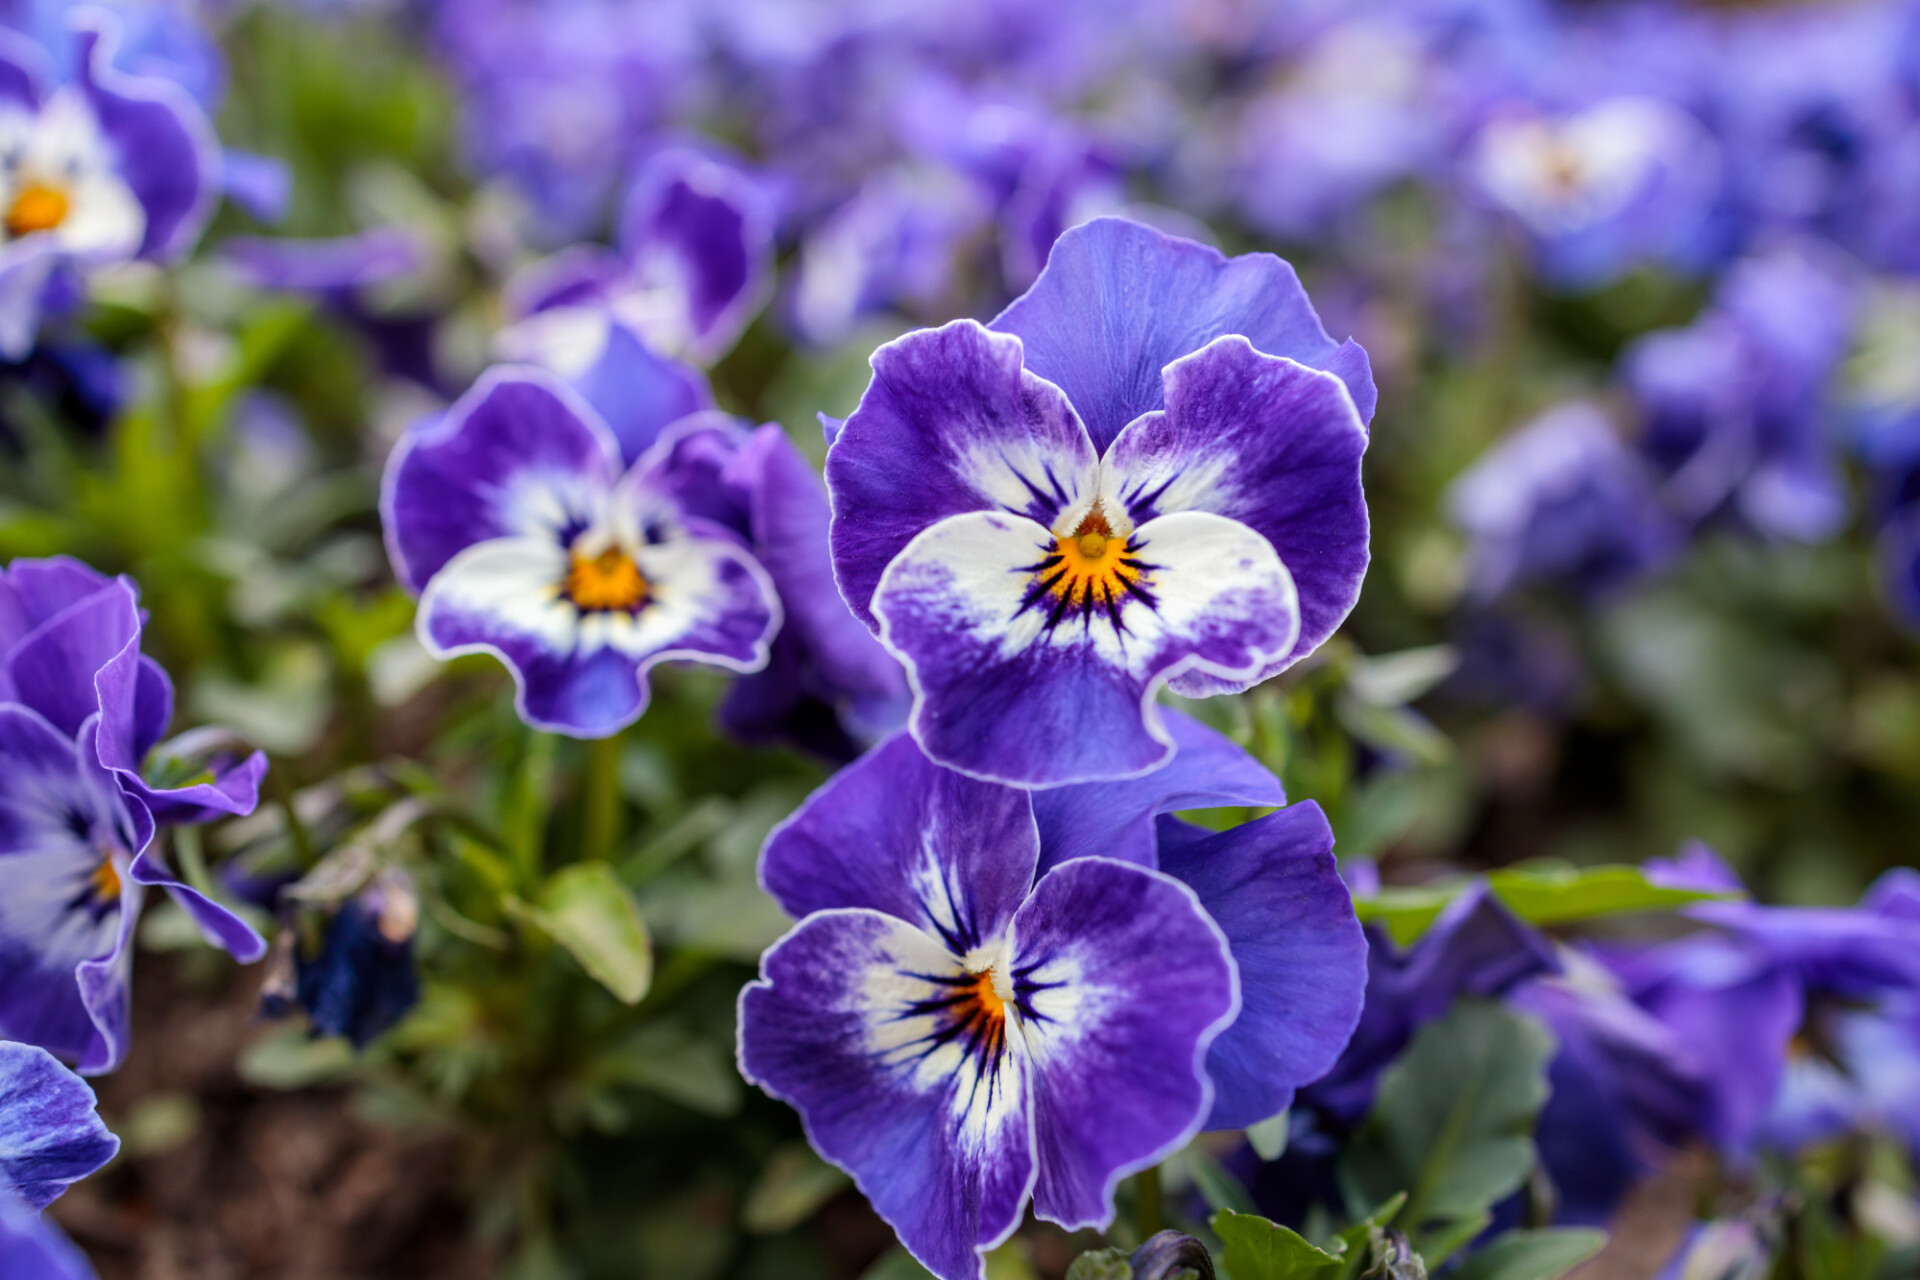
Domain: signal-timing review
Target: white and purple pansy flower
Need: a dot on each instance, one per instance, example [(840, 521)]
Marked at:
[(514, 517), (696, 243), (995, 994), (102, 169), (77, 818), (1146, 472)]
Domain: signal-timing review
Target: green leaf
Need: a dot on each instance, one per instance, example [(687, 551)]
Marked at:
[(588, 911), (1452, 1120), (1540, 893), (1104, 1264), (790, 1189), (1260, 1250), (1533, 1255), (1220, 1189), (1269, 1138)]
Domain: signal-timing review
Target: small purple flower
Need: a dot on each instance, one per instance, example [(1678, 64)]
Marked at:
[(513, 516), (1625, 180), (1146, 472), (102, 170), (994, 993), (362, 978), (81, 710), (1733, 404), (828, 686), (696, 242), (1561, 500)]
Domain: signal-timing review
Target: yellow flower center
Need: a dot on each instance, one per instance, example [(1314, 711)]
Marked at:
[(605, 582), (1091, 565), (104, 883), (986, 998), (36, 208)]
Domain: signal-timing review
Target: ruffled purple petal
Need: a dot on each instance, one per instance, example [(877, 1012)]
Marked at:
[(520, 455), (23, 70), (325, 265), (1274, 889), (912, 1089), (705, 229), (166, 149), (32, 592), (33, 1248), (50, 1134), (1018, 684), (1116, 819), (1122, 982), (639, 393), (951, 423), (837, 663), (1118, 302), (1272, 444), (894, 832)]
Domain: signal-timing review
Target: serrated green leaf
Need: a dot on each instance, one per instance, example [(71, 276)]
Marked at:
[(1260, 1250), (1540, 894), (1452, 1120), (588, 911), (1546, 1254)]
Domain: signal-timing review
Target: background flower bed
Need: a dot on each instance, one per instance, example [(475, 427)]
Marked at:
[(1643, 649)]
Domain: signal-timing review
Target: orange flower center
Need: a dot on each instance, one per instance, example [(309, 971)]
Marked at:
[(36, 208), (1091, 565), (104, 883), (986, 998), (605, 582)]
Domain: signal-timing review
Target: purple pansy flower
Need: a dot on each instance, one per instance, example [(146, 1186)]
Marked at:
[(828, 686), (101, 170), (1146, 472), (696, 242), (1561, 500), (1623, 180), (50, 1135), (513, 516), (1800, 1018), (994, 993), (80, 710)]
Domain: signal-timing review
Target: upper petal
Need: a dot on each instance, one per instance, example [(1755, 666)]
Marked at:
[(705, 229), (863, 1023), (1273, 888), (54, 668), (951, 423), (1019, 681), (895, 832), (1122, 982), (165, 147), (519, 455), (1118, 302), (50, 1134), (1272, 444), (1115, 819)]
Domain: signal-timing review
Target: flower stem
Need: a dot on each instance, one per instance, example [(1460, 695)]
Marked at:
[(600, 794), (1149, 1211)]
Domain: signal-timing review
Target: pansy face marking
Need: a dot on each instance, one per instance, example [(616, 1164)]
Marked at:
[(58, 178), (604, 581), (1091, 567)]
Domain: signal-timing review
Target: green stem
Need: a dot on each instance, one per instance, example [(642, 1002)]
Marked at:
[(296, 829), (524, 825), (600, 798), (1149, 1208)]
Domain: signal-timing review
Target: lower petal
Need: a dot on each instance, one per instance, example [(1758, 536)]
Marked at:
[(31, 1245), (852, 1024), (1122, 983), (50, 1134), (1273, 888), (1018, 684)]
